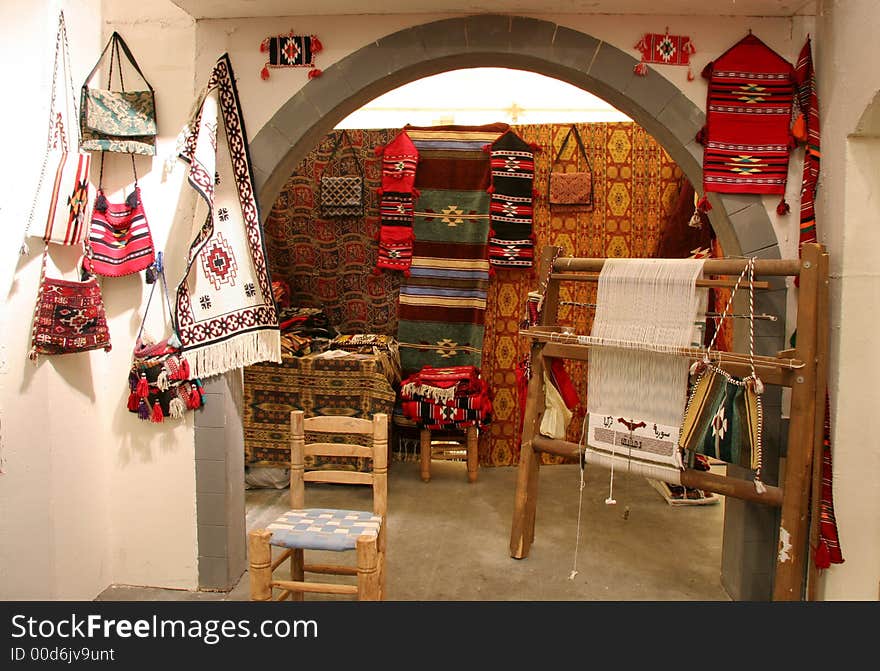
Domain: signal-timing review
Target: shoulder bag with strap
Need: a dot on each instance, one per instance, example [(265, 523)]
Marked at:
[(58, 212), (342, 196), (116, 119), (571, 188), (120, 242)]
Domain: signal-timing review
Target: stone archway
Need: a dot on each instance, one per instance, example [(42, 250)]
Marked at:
[(740, 222)]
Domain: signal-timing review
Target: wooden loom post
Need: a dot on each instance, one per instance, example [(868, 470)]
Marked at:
[(522, 531), (793, 549)]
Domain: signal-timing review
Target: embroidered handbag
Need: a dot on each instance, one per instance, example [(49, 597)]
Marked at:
[(343, 195), (159, 380), (58, 212), (118, 120), (571, 188), (120, 242), (69, 315), (724, 414)]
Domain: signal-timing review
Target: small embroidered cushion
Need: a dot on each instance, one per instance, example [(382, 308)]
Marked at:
[(323, 529)]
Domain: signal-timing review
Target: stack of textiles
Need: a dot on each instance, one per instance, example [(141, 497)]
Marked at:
[(384, 347), (446, 398), (304, 331)]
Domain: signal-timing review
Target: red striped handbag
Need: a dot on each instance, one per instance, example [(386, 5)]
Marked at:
[(120, 242)]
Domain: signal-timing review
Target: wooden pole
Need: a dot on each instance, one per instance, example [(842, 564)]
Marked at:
[(425, 454), (297, 460), (522, 529), (766, 267), (822, 338), (793, 546), (710, 482)]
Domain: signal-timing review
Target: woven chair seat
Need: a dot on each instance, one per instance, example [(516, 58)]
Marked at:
[(323, 528)]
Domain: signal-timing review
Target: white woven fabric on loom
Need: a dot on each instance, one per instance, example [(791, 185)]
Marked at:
[(636, 398)]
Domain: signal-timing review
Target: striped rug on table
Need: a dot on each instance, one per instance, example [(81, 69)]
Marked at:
[(443, 301)]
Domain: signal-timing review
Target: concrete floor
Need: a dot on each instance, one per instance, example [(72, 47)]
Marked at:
[(448, 539)]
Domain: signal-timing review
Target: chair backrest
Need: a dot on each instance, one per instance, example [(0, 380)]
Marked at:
[(377, 453)]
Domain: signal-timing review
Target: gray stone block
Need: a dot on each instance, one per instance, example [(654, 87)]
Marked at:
[(400, 50), (682, 118), (212, 414), (210, 476), (532, 36), (574, 49), (292, 117), (328, 92), (213, 573), (734, 202), (211, 509), (772, 303), (212, 540), (753, 229), (268, 148), (652, 92), (210, 443), (488, 32), (447, 37)]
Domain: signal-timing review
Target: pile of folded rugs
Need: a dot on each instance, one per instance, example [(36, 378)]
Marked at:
[(446, 398)]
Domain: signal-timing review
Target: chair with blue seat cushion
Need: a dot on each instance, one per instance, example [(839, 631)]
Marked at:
[(338, 530)]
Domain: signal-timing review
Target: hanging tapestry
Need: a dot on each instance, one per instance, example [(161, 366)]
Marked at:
[(511, 240), (747, 136), (665, 49), (291, 51), (808, 103), (442, 304), (396, 195), (225, 307), (329, 263)]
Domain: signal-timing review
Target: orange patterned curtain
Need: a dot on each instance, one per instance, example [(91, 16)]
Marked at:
[(636, 184)]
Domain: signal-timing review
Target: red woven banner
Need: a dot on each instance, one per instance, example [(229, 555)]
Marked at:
[(664, 49), (747, 136)]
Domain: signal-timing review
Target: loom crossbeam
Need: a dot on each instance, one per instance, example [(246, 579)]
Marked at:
[(802, 369)]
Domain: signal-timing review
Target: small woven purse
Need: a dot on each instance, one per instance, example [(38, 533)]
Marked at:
[(571, 188), (342, 195)]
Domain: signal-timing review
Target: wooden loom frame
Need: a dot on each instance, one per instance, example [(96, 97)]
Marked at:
[(802, 369)]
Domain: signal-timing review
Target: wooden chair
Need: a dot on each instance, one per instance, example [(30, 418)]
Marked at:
[(302, 528)]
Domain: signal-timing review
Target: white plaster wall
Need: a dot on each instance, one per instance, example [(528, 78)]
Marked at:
[(90, 495), (847, 223)]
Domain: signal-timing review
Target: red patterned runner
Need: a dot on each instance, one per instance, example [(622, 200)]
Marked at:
[(396, 197), (664, 49), (808, 102), (511, 240)]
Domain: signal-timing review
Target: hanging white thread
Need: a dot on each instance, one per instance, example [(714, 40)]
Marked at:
[(582, 462)]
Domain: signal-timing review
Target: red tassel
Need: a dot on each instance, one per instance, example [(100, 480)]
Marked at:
[(379, 149), (183, 374), (315, 72), (406, 272), (690, 75), (157, 415), (701, 135), (536, 147), (641, 69), (194, 402), (264, 73), (133, 401), (487, 148), (536, 194), (143, 387), (822, 557), (491, 271), (491, 232), (783, 207), (703, 205), (376, 271), (491, 189), (317, 47), (264, 45)]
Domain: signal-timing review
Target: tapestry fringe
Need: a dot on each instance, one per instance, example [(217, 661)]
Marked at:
[(238, 351)]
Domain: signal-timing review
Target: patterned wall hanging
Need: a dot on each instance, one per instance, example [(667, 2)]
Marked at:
[(511, 240), (747, 136), (396, 196), (291, 51), (226, 313), (665, 49)]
